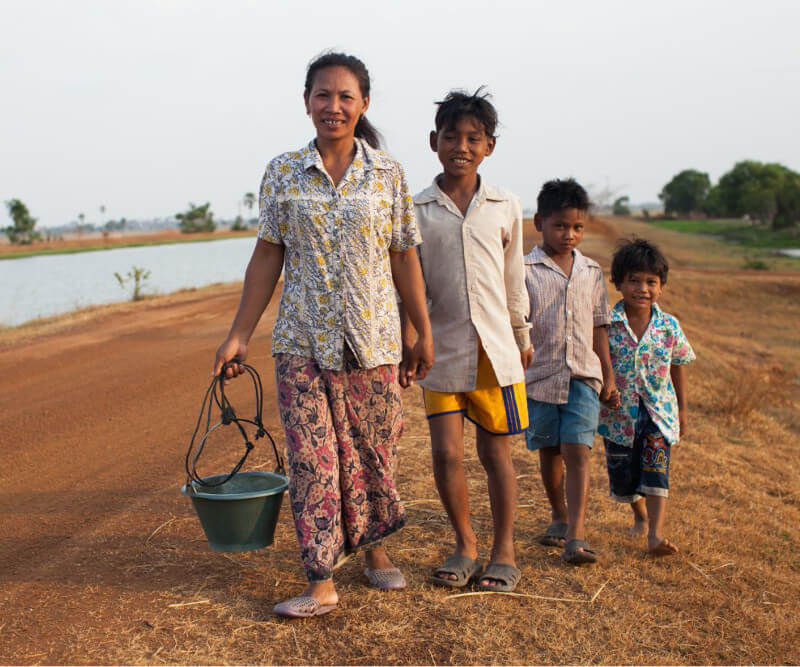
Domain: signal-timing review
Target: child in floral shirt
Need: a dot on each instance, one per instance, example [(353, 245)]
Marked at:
[(648, 351)]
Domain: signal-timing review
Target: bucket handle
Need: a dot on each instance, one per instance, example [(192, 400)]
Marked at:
[(215, 394)]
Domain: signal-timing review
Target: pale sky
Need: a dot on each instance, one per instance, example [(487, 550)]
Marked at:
[(145, 106)]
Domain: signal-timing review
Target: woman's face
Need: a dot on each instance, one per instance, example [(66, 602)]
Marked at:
[(335, 103)]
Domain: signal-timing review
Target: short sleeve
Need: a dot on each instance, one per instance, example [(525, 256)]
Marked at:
[(682, 352), (405, 232), (600, 308), (268, 223)]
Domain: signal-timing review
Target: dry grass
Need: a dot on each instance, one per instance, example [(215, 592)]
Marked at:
[(730, 597)]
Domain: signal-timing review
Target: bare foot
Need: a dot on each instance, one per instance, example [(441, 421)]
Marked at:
[(638, 528), (661, 547)]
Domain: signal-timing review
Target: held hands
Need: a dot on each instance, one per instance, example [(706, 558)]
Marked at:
[(231, 348), (417, 361), (526, 357), (609, 395)]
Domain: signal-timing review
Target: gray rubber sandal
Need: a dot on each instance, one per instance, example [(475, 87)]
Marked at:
[(555, 535), (388, 579), (507, 574), (463, 567), (573, 556), (302, 607)]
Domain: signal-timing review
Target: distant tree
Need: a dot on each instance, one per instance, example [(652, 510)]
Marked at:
[(196, 219), (686, 192), (22, 231), (114, 225), (766, 193), (249, 201), (602, 197), (238, 224), (621, 206), (788, 200)]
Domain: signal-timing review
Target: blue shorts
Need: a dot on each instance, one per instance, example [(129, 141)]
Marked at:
[(641, 470), (574, 422)]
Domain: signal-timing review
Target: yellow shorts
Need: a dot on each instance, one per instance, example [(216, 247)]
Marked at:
[(498, 410)]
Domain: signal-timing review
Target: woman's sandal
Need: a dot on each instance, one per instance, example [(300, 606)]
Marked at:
[(507, 575), (577, 552), (388, 579), (462, 567), (302, 607)]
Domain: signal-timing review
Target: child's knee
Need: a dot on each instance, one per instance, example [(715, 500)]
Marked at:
[(447, 454), (494, 454), (575, 453)]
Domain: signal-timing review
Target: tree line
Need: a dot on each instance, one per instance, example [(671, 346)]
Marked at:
[(766, 193), (194, 219)]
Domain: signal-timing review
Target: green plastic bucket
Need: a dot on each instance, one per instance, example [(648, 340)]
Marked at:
[(240, 514)]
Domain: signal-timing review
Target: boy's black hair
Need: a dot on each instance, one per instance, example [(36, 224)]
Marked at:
[(557, 195), (458, 104), (638, 255)]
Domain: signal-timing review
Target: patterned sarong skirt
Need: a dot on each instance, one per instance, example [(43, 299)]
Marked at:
[(342, 429)]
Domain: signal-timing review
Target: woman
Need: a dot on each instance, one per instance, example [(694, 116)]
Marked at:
[(337, 217)]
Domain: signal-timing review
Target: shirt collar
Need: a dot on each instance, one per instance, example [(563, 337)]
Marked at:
[(539, 256), (485, 192), (366, 157), (618, 314)]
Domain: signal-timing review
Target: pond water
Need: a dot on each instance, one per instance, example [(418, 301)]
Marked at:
[(53, 284)]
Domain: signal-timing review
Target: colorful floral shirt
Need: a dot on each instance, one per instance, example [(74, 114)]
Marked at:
[(337, 276), (642, 370)]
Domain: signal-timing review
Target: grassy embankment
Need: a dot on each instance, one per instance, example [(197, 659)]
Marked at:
[(747, 246), (67, 247)]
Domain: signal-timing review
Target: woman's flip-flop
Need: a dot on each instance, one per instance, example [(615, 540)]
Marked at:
[(388, 579), (302, 607), (462, 568)]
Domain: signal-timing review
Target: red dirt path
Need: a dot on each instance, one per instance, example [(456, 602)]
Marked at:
[(93, 430)]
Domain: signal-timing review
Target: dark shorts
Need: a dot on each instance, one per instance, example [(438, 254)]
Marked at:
[(641, 470), (573, 422)]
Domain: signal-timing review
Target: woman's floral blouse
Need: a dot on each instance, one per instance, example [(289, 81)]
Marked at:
[(337, 276), (642, 369)]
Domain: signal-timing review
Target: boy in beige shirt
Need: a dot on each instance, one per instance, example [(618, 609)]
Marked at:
[(472, 263)]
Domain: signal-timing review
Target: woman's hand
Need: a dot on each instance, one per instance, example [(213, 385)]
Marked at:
[(231, 348)]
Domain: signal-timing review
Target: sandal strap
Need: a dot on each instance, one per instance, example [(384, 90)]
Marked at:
[(508, 574), (459, 566)]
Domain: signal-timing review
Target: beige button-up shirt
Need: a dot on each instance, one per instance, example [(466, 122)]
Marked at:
[(475, 285), (565, 309), (337, 275)]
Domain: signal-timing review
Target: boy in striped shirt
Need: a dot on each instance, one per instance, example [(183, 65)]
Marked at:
[(571, 369)]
